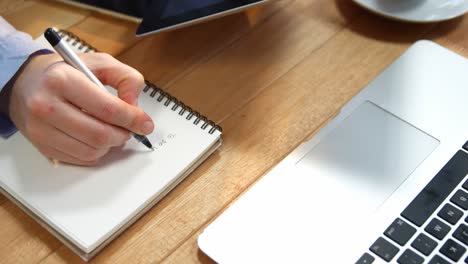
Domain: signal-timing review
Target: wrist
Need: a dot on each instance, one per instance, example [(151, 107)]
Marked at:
[(5, 93)]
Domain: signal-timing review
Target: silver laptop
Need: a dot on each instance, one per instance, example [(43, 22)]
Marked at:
[(384, 181)]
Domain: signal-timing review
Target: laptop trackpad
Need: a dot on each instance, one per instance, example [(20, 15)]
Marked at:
[(368, 156)]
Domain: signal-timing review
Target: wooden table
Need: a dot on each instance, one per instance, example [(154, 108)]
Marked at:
[(270, 77)]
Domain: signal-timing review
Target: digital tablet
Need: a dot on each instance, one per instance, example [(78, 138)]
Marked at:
[(165, 15), (162, 15)]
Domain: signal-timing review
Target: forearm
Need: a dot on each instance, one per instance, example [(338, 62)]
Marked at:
[(15, 48)]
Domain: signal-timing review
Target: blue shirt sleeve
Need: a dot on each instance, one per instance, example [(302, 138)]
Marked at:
[(7, 128), (15, 48)]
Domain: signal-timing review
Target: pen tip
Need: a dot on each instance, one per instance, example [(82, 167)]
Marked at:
[(147, 143), (144, 140)]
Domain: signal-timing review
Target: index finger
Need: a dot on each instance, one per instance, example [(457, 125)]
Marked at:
[(126, 80), (84, 94)]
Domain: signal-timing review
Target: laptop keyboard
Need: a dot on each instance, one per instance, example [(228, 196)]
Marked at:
[(418, 235)]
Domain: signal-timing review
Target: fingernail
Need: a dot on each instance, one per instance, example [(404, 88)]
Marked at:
[(148, 127)]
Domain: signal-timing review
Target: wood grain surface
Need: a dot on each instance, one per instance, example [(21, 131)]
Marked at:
[(271, 77)]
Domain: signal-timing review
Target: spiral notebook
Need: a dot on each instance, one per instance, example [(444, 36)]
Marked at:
[(88, 207)]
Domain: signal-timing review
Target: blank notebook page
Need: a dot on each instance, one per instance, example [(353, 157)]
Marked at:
[(87, 205)]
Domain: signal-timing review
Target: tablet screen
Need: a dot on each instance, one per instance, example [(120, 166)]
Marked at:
[(179, 7), (165, 14), (161, 14), (134, 8)]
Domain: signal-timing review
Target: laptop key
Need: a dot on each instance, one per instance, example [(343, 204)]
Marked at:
[(465, 185), (466, 146), (424, 244), (460, 198), (384, 249), (400, 231), (452, 250), (438, 260), (450, 214), (366, 258), (410, 257), (461, 233), (437, 228), (437, 190)]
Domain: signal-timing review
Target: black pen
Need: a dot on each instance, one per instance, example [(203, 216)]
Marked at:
[(70, 57)]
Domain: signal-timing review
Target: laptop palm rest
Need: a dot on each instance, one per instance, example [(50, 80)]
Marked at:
[(368, 156)]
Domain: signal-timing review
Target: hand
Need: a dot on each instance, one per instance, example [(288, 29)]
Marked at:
[(67, 117)]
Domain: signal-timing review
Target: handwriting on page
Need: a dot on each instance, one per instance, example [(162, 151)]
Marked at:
[(164, 141)]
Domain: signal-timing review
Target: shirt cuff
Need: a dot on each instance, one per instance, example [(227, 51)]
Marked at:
[(15, 47), (7, 128)]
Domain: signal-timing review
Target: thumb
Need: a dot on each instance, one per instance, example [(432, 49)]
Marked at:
[(126, 80)]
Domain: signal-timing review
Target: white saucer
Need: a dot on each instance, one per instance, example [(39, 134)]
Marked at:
[(417, 10)]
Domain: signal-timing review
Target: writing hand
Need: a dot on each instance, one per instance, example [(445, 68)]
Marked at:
[(67, 117)]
